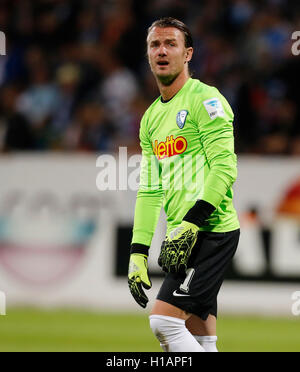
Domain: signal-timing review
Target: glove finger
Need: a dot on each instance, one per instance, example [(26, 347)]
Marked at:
[(138, 293), (165, 267), (143, 299), (139, 301), (159, 261), (173, 267), (131, 284), (161, 255), (146, 282), (134, 291), (182, 269), (182, 260), (173, 263), (167, 261), (162, 262)]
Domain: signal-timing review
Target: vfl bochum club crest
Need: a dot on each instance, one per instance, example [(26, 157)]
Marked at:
[(181, 118)]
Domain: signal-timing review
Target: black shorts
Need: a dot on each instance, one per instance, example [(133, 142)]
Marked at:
[(197, 292)]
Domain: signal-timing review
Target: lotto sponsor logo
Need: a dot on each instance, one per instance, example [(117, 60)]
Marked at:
[(170, 147)]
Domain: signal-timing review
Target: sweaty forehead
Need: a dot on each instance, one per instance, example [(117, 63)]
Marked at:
[(163, 33)]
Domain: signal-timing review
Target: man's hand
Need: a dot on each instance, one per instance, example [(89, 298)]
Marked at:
[(138, 277), (177, 247)]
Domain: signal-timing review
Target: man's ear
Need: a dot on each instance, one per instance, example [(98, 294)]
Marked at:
[(189, 54)]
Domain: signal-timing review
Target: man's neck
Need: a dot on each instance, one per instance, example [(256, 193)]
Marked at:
[(169, 91)]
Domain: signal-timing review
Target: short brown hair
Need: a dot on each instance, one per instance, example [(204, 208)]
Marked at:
[(173, 22)]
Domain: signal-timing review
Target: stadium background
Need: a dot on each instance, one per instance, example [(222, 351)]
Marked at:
[(74, 84)]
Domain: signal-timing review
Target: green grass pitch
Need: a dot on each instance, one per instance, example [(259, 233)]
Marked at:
[(29, 330)]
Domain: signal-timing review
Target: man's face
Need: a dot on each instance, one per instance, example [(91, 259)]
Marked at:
[(167, 53)]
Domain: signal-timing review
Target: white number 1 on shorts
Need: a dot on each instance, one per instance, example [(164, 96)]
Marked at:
[(189, 277)]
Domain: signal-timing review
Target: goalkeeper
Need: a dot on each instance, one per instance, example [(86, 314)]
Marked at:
[(186, 133)]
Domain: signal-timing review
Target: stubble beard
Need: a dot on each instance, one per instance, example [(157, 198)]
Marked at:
[(167, 80)]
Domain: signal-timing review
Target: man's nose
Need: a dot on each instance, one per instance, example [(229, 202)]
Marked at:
[(162, 51)]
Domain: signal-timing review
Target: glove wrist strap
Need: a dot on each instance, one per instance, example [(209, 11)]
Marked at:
[(199, 213), (139, 248)]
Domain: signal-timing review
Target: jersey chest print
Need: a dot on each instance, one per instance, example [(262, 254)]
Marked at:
[(171, 146)]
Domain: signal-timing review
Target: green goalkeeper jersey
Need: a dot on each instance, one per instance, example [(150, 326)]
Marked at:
[(187, 154)]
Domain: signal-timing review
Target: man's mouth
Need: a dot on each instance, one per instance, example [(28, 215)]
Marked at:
[(162, 63)]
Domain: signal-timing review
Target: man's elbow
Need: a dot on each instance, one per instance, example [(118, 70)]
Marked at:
[(226, 167)]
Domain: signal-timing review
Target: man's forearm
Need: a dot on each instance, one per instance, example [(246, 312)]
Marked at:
[(221, 177), (147, 212), (222, 174)]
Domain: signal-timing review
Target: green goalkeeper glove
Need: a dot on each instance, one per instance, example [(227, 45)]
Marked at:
[(177, 247), (138, 277)]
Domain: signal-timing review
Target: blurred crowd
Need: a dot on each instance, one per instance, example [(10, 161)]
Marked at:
[(75, 76)]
